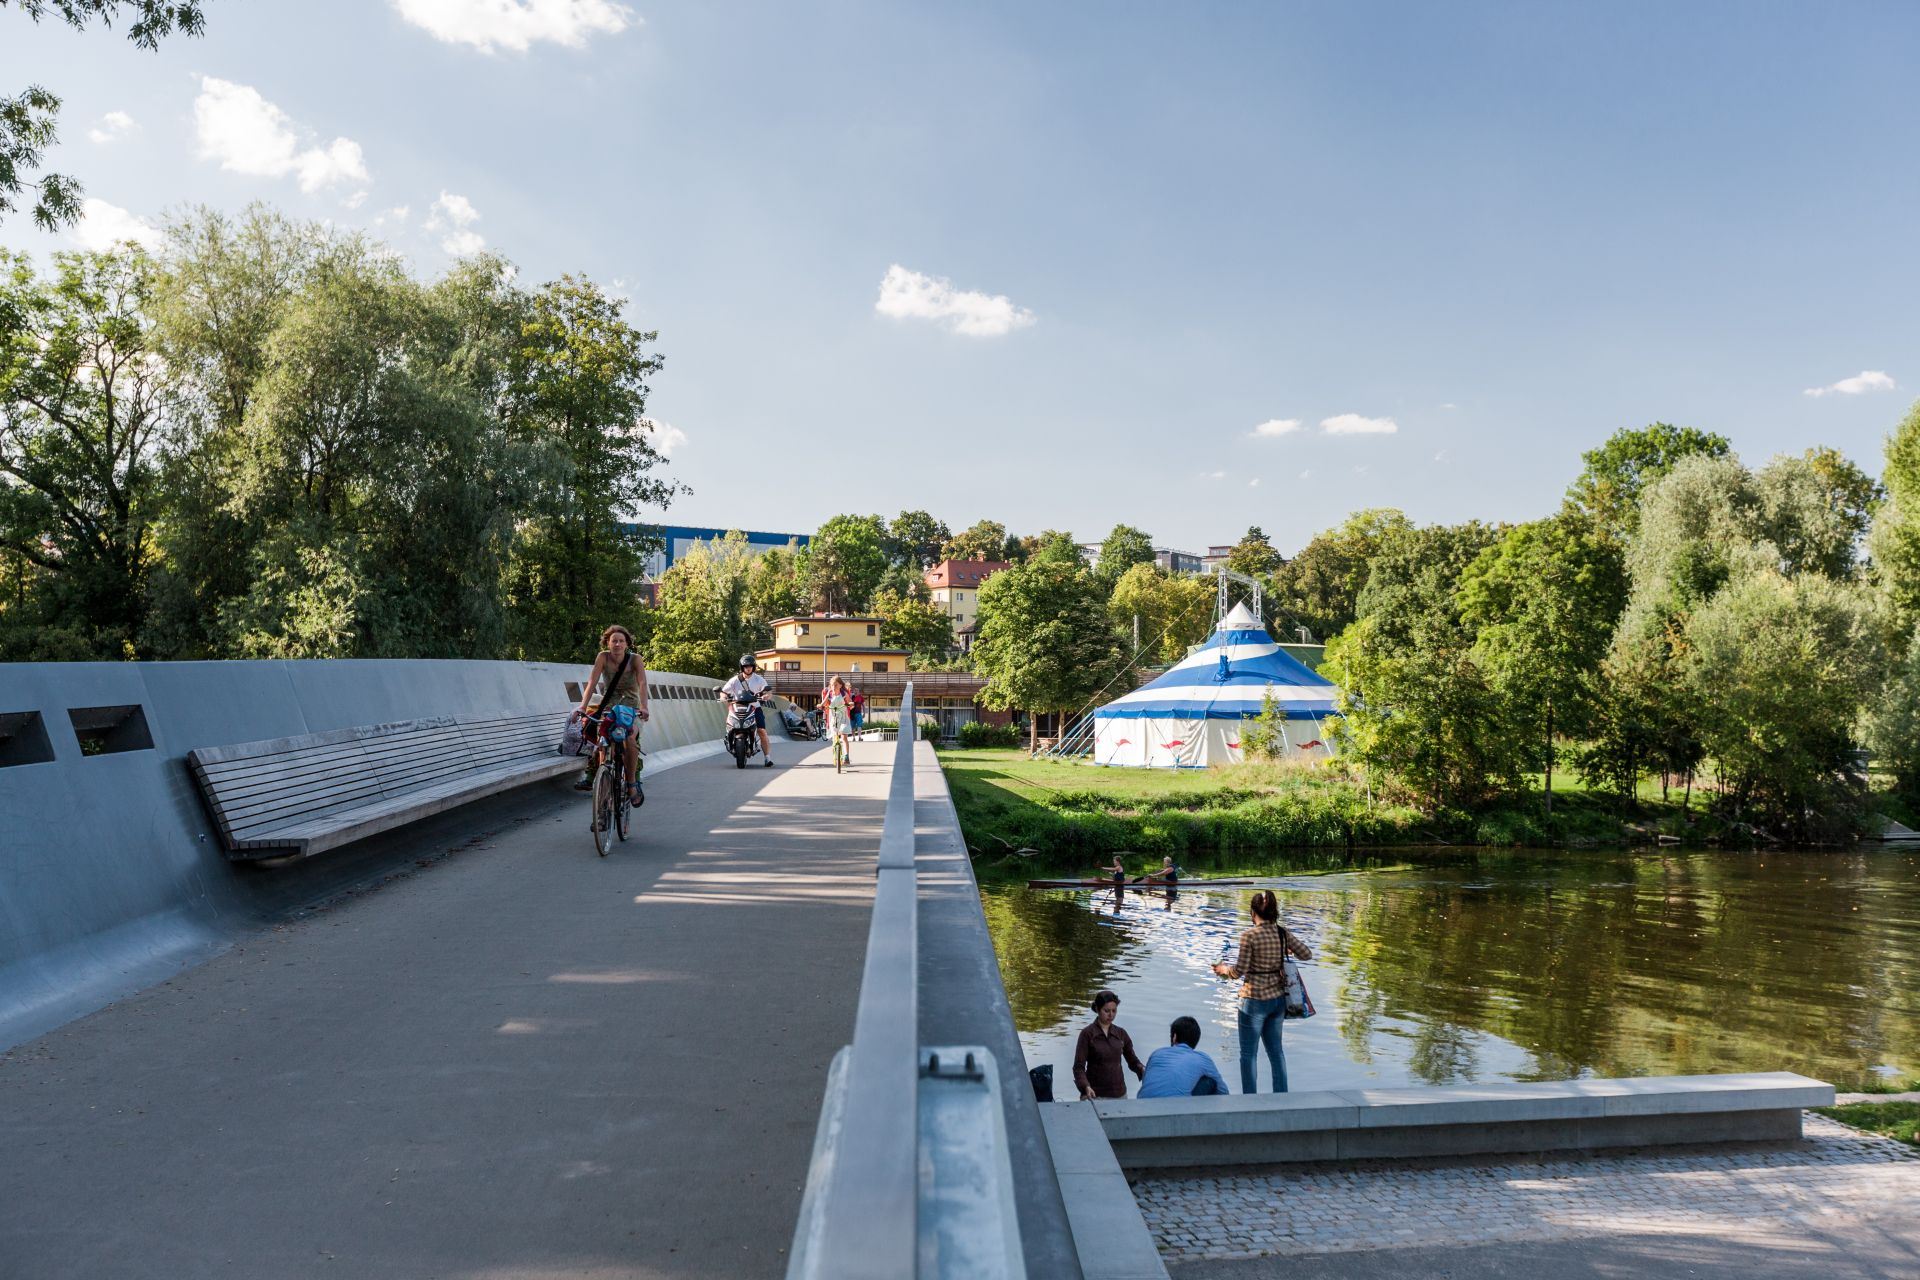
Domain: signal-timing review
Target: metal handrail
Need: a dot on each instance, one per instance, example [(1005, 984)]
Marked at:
[(870, 1220)]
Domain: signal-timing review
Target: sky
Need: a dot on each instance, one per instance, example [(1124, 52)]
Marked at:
[(1191, 268)]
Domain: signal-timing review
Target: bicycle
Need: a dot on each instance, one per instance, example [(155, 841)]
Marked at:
[(839, 753), (611, 808)]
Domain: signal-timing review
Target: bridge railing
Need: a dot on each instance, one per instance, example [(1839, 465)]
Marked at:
[(911, 1174)]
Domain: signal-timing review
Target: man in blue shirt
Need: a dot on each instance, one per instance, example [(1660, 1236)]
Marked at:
[(1180, 1069)]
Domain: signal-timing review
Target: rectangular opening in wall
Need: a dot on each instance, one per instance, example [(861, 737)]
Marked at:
[(23, 739), (103, 731), (573, 691)]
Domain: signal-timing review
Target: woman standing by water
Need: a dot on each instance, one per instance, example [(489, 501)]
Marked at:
[(1102, 1048), (1262, 968)]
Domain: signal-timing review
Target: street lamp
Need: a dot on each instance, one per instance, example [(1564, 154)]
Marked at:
[(825, 679)]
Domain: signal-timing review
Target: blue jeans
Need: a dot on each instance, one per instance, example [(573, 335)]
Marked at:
[(1260, 1025)]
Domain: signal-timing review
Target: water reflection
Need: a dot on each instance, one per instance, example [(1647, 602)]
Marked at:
[(1511, 966)]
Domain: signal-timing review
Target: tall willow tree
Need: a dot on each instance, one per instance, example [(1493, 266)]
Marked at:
[(578, 391)]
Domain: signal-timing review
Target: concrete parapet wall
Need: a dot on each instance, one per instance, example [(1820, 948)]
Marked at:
[(1368, 1124), (111, 871)]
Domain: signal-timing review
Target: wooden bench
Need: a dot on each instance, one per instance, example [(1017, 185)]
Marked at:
[(306, 794), (1461, 1120)]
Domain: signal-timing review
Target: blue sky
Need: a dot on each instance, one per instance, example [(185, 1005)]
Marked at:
[(1503, 230)]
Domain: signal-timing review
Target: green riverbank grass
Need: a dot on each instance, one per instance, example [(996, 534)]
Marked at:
[(1891, 1119), (1078, 815)]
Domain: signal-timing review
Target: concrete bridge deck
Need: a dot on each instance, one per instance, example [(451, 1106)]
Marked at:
[(521, 1061)]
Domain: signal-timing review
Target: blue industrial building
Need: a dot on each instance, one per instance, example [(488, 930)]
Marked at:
[(678, 539)]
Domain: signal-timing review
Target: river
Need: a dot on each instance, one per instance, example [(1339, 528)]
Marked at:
[(1482, 965)]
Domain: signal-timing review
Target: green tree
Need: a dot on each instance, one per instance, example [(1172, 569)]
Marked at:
[(1320, 588), (1253, 555), (29, 119), (986, 540), (83, 401), (1043, 642), (1124, 548), (914, 623), (1542, 603), (577, 390), (1175, 612), (915, 539), (1416, 706), (703, 624), (1780, 669), (1894, 542), (1609, 489), (844, 563)]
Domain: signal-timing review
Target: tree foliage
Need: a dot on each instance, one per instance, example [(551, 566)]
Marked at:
[(1320, 588), (1175, 611), (985, 540), (1042, 641), (1608, 490), (29, 120), (1124, 548)]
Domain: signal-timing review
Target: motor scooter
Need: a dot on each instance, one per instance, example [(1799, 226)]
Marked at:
[(743, 740)]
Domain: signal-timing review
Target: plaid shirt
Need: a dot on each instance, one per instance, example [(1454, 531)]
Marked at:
[(1263, 961)]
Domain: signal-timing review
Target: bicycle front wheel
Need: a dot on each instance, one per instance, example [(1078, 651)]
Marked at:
[(605, 801), (623, 809)]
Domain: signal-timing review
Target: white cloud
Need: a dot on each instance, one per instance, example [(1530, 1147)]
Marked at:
[(355, 200), (113, 126), (1254, 483), (1213, 475), (104, 225), (1307, 474), (249, 135), (489, 25), (397, 215), (456, 215), (1861, 383), (664, 436), (909, 295), (1449, 405), (1275, 427), (1352, 424), (1440, 456)]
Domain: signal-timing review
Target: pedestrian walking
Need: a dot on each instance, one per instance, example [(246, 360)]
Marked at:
[(1262, 968), (1103, 1048)]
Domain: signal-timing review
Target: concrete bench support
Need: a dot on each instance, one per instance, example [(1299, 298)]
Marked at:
[(1360, 1124)]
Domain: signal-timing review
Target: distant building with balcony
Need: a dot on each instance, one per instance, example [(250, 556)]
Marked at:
[(1178, 561), (1216, 558), (955, 587), (808, 651)]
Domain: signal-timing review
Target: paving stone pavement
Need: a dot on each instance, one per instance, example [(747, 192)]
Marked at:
[(1836, 1174)]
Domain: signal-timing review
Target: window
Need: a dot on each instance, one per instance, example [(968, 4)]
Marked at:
[(789, 666), (879, 666), (105, 730), (804, 628), (869, 628), (23, 739)]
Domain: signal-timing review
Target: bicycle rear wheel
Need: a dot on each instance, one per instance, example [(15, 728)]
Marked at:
[(605, 801)]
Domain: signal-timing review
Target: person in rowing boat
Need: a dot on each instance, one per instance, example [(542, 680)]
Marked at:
[(1167, 874), (1118, 871)]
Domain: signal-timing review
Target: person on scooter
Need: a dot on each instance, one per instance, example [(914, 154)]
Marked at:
[(751, 681), (619, 676)]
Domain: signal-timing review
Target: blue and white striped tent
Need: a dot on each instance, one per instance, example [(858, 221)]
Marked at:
[(1193, 715)]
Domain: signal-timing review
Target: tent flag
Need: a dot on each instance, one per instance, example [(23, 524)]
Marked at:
[(1193, 715)]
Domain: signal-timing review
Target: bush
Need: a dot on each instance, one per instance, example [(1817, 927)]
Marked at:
[(975, 735)]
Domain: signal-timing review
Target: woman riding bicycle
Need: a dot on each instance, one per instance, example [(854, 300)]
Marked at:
[(619, 678), (836, 702)]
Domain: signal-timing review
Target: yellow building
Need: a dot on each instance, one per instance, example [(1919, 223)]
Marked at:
[(825, 643), (955, 588)]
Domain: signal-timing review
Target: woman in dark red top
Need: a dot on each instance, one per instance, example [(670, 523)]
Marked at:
[(1103, 1047)]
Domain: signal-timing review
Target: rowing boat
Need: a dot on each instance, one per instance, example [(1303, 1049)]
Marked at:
[(1133, 884)]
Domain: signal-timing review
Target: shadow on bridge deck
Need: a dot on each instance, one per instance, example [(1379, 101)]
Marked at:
[(528, 1061)]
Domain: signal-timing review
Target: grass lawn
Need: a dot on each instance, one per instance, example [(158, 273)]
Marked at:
[(1078, 815), (1893, 1119)]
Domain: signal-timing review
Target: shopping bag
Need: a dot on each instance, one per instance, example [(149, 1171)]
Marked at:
[(1299, 1003), (573, 739)]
